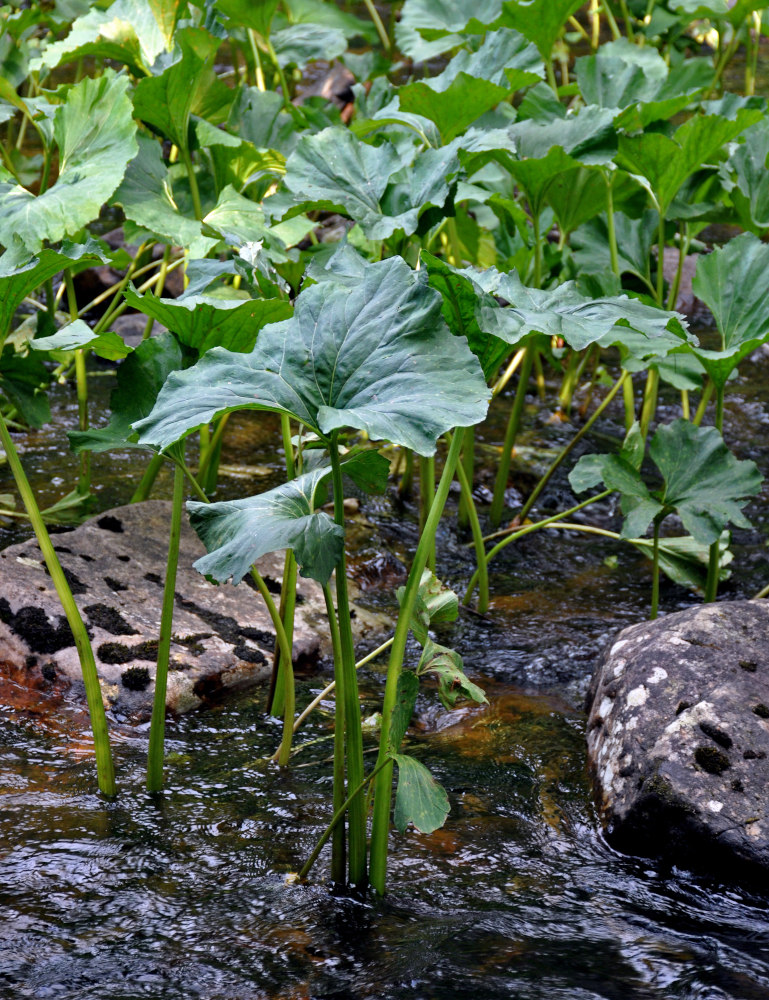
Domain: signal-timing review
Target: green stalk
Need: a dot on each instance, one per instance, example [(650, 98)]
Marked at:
[(683, 249), (426, 497), (537, 250), (81, 381), (339, 846), (656, 568), (158, 722), (468, 464), (660, 292), (142, 491), (707, 392), (384, 780), (714, 561), (627, 19), (512, 535), (629, 400), (353, 734), (649, 406), (480, 550), (610, 226), (336, 821), (406, 485), (288, 586), (616, 33), (577, 437), (281, 75), (194, 190), (283, 752), (513, 424), (380, 28), (104, 767)]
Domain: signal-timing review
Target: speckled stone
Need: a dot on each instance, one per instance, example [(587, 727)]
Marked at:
[(678, 739), (222, 636)]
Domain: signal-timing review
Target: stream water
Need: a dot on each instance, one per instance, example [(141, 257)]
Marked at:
[(518, 896)]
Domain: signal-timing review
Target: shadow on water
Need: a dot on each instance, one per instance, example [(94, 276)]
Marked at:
[(518, 896)]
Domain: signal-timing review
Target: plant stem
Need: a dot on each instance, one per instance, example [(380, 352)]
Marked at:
[(383, 787), (142, 491), (353, 734), (513, 424), (649, 406), (104, 767), (288, 585), (468, 464), (577, 437), (158, 722), (610, 224), (660, 292), (513, 534), (81, 381), (616, 33), (381, 30), (194, 190), (656, 568), (714, 561), (426, 496), (707, 392), (480, 550), (339, 846)]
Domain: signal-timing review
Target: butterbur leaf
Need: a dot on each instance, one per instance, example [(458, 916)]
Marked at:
[(748, 161), (299, 44), (256, 14), (376, 357), (435, 603), (139, 380), (540, 21), (685, 561), (419, 799), (733, 282), (204, 321), (22, 379), (453, 683), (405, 700), (95, 133), (369, 471), (237, 532), (78, 335), (20, 274)]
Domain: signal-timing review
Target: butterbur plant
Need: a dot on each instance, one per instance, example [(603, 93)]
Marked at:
[(376, 357)]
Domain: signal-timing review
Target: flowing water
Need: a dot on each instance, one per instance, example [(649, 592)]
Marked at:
[(518, 896)]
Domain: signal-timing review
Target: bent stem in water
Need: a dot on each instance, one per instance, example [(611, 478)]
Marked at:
[(104, 766), (513, 424), (384, 779)]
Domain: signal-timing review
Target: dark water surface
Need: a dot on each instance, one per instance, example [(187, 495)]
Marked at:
[(517, 897)]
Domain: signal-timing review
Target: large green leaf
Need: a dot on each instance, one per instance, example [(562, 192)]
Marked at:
[(237, 532), (733, 282), (299, 44), (460, 310), (147, 199), (376, 357), (749, 163), (435, 603), (77, 335), (95, 133), (139, 380), (620, 73), (20, 275), (702, 482), (256, 14), (382, 188), (23, 379), (665, 162), (540, 21), (419, 799), (635, 238), (405, 700), (127, 32), (428, 27), (166, 101), (203, 321)]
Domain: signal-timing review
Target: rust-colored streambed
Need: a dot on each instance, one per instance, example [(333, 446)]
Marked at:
[(518, 896)]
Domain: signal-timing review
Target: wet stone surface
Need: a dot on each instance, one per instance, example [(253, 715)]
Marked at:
[(678, 738), (115, 564)]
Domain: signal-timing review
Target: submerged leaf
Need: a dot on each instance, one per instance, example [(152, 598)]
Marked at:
[(419, 799), (376, 357)]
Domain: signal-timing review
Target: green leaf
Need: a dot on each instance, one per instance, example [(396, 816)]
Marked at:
[(166, 101), (575, 196), (369, 471), (540, 21), (22, 379), (435, 603), (203, 321), (256, 14), (76, 335), (299, 44), (453, 683), (237, 532), (460, 304), (405, 700), (134, 32), (376, 357), (20, 274), (748, 161), (667, 162), (377, 186), (146, 197), (620, 74), (733, 282), (685, 560), (428, 27), (95, 133), (139, 380), (634, 241), (704, 482), (419, 799)]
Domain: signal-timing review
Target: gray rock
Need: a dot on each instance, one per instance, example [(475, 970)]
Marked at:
[(678, 739), (223, 636)]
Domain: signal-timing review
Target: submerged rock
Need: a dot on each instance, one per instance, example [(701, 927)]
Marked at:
[(678, 739), (115, 564)]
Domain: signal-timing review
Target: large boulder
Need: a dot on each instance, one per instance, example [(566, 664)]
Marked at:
[(222, 636), (678, 738)]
